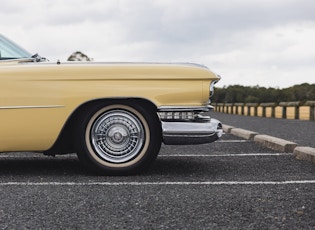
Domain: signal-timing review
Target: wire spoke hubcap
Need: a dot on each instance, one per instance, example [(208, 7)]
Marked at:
[(117, 136)]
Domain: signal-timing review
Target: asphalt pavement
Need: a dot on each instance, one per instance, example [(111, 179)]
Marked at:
[(230, 184), (299, 131)]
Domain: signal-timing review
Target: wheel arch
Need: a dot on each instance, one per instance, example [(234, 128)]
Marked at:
[(63, 144)]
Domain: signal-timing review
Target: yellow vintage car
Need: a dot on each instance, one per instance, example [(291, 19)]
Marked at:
[(113, 115)]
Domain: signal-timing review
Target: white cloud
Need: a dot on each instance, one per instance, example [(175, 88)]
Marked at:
[(248, 42), (276, 56)]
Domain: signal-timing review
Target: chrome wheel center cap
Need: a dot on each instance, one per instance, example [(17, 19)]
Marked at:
[(117, 134)]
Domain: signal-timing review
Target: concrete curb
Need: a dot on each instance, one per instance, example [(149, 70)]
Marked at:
[(275, 143), (227, 128), (305, 153), (246, 134), (300, 152)]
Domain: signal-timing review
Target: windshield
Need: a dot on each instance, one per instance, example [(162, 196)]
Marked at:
[(10, 50)]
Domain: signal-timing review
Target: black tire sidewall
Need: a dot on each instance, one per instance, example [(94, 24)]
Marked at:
[(147, 155)]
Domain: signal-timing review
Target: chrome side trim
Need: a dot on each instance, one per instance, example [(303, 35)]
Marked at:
[(205, 108), (31, 106)]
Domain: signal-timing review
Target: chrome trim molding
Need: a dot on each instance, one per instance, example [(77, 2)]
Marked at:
[(31, 106), (211, 90), (205, 108)]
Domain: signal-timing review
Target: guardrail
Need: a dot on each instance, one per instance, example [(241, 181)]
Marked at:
[(285, 110)]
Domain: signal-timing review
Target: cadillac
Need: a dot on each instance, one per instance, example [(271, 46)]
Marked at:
[(115, 116)]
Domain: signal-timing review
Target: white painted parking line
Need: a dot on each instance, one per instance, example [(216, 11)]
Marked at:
[(226, 155), (233, 141), (32, 157), (157, 183)]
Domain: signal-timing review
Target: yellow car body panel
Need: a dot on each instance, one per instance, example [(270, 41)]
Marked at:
[(36, 99)]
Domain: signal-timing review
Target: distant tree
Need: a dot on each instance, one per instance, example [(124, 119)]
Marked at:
[(256, 94), (79, 56), (251, 99)]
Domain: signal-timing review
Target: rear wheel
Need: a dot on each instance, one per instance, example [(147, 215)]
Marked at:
[(118, 139)]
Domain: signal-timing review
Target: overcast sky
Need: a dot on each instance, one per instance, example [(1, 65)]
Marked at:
[(249, 42)]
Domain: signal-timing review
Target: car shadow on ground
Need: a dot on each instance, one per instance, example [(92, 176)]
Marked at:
[(39, 166), (12, 167)]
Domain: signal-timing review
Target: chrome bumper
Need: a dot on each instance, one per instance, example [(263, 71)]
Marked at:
[(204, 130)]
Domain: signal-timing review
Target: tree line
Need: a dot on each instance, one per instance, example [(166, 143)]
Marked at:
[(256, 94)]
